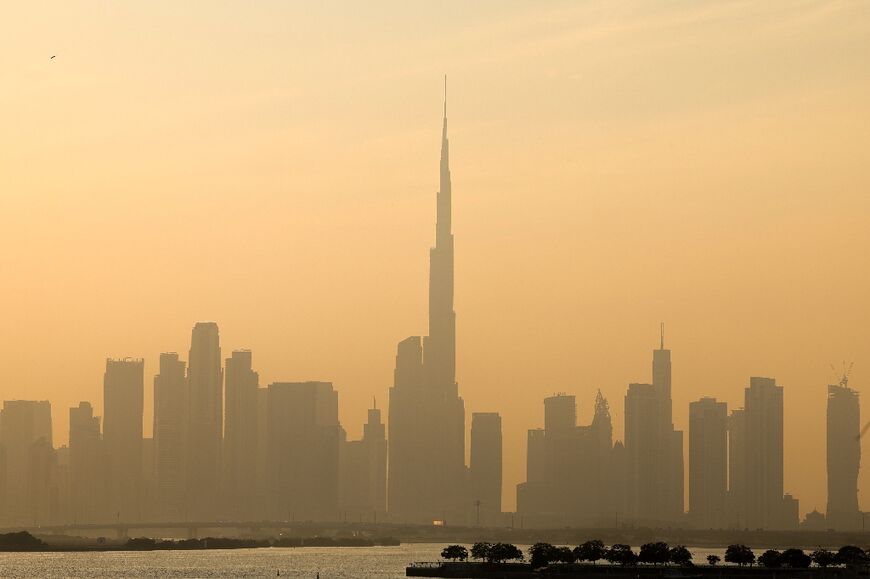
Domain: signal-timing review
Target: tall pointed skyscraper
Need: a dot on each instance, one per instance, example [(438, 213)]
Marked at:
[(427, 417), (670, 441), (440, 345), (654, 448)]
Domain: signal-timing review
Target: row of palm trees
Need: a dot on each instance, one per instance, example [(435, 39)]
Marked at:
[(655, 553)]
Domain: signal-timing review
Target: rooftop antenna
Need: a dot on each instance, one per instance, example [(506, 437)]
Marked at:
[(374, 403), (662, 329), (445, 96)]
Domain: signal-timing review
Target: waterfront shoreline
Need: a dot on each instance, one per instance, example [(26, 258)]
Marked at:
[(480, 570)]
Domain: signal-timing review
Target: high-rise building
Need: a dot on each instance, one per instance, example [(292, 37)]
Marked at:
[(427, 474), (764, 507), (644, 499), (148, 486), (560, 413), (261, 470), (303, 451), (736, 501), (708, 462), (486, 466), (569, 469), (240, 436), (844, 458), (123, 400), (654, 449), (43, 485), (61, 478), (86, 464), (670, 441), (170, 438), (24, 425), (363, 477), (205, 422)]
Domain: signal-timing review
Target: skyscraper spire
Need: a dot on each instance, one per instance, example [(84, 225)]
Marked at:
[(440, 357), (427, 474), (662, 347)]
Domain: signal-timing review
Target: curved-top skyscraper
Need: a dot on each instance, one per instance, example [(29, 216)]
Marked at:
[(205, 427), (427, 478)]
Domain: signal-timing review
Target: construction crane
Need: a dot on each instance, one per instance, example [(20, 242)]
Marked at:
[(844, 377), (844, 382)]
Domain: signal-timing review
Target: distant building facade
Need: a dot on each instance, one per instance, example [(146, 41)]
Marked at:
[(240, 436), (486, 466), (363, 473), (86, 466), (708, 463), (427, 473), (736, 500), (170, 439), (654, 449), (205, 422), (303, 437), (25, 434), (843, 458), (123, 406), (569, 469), (765, 504)]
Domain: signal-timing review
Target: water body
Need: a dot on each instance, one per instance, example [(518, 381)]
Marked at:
[(306, 562)]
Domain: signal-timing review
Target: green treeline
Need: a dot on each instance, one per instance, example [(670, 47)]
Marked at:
[(654, 553)]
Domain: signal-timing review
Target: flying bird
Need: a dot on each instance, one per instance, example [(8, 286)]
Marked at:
[(52, 57)]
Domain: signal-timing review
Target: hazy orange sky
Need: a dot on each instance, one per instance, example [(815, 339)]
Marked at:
[(273, 166)]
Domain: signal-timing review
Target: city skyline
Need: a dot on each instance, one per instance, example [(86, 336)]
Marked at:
[(661, 374), (297, 442), (606, 180), (225, 447)]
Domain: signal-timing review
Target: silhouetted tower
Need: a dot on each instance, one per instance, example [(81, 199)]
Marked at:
[(654, 450), (708, 462), (87, 491), (764, 454), (43, 484), (661, 374), (486, 465), (844, 457), (303, 450), (23, 425), (669, 441), (375, 442), (560, 413), (439, 347), (240, 435), (205, 426), (123, 401), (569, 469), (170, 437), (427, 475), (261, 472), (363, 479), (736, 501), (644, 498)]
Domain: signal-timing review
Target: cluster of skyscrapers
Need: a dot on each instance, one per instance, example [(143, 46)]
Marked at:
[(576, 475), (226, 448), (274, 453)]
